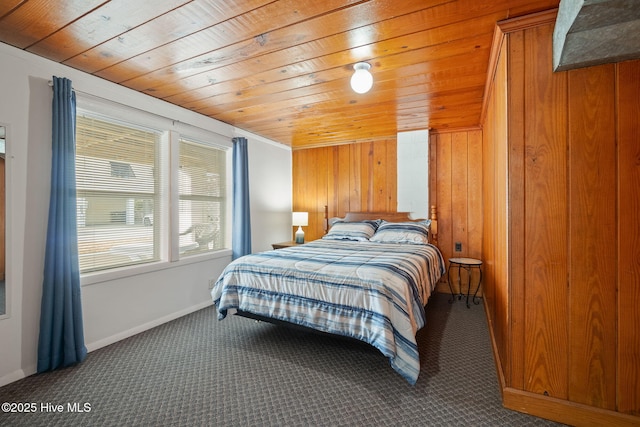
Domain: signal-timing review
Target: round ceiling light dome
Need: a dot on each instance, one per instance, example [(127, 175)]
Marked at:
[(362, 80)]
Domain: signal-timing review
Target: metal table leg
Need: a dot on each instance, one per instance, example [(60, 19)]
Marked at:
[(468, 264), (468, 268), (453, 298), (477, 287)]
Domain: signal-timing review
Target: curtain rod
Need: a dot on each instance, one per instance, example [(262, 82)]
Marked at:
[(50, 83), (174, 121)]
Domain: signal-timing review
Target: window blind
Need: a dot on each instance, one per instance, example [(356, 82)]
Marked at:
[(118, 193), (202, 197)]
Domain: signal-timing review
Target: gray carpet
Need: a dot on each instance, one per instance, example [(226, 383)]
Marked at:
[(197, 370)]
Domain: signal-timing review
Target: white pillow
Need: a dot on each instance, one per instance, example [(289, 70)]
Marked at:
[(360, 231), (416, 233)]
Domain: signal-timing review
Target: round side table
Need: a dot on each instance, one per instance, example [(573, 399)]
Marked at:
[(468, 264)]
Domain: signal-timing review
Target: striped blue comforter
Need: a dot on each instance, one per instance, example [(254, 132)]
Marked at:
[(373, 292)]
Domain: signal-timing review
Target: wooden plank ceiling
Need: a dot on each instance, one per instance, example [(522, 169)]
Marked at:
[(281, 69)]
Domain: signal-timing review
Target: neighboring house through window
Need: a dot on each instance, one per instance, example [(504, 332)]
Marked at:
[(123, 172)]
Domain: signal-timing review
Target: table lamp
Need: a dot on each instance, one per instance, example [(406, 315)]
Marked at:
[(300, 219)]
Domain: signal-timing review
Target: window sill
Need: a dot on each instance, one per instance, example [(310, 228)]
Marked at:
[(120, 273)]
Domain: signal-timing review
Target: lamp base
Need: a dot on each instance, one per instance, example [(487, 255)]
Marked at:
[(299, 236)]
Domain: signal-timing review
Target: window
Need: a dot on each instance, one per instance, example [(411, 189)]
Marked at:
[(202, 199), (118, 192), (146, 193)]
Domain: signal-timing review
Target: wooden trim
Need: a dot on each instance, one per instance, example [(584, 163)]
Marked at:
[(349, 142), (453, 130), (628, 235), (551, 408), (363, 216), (503, 28), (494, 56), (433, 227), (516, 222), (494, 347), (528, 21), (564, 411)]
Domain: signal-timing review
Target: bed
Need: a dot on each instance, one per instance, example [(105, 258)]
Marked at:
[(369, 278)]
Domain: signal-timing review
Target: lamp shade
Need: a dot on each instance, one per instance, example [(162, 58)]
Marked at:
[(300, 218), (362, 80)]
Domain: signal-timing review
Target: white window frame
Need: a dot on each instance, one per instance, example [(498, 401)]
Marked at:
[(170, 146)]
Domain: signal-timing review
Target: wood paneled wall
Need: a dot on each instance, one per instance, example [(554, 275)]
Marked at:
[(350, 177), (547, 194), (456, 190), (363, 177), (563, 289), (627, 267), (495, 190)]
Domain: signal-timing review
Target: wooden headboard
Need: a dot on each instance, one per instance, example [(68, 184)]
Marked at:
[(391, 217)]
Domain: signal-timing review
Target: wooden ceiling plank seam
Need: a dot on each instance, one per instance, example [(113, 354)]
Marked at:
[(338, 119), (98, 25), (400, 111), (105, 52), (375, 125), (320, 24), (281, 68), (7, 8), (337, 116), (87, 25), (304, 100), (418, 86), (411, 76), (462, 70), (203, 80), (230, 85), (37, 20), (339, 85), (231, 102), (234, 46), (340, 105)]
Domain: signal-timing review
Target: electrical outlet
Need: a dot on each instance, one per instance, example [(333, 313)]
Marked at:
[(212, 283), (458, 246)]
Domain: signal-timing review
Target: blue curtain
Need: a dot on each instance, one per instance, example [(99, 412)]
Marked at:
[(241, 228), (61, 341)]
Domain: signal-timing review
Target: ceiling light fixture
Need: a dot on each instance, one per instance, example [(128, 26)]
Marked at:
[(362, 80)]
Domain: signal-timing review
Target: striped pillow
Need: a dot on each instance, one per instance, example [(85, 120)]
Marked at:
[(360, 231), (416, 233)]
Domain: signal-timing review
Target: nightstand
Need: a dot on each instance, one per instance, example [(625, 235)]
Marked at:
[(468, 264), (285, 244)]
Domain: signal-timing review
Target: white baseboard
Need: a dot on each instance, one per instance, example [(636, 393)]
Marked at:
[(146, 326), (14, 376), (30, 370)]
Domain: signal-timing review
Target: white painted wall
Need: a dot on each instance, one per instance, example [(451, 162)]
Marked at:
[(413, 173), (115, 305), (270, 190)]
